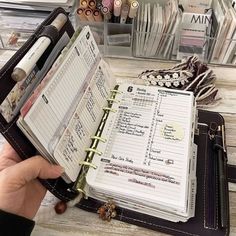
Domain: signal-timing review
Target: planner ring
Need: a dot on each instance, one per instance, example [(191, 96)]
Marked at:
[(113, 100), (99, 138), (86, 163), (83, 192), (109, 109), (115, 91), (93, 150)]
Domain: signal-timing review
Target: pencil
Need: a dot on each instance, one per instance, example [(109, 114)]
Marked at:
[(117, 10), (132, 11), (83, 4), (124, 13), (105, 11), (108, 4), (80, 13), (92, 4), (97, 15), (89, 15)]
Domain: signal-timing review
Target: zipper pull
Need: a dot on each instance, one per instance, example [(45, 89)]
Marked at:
[(212, 130)]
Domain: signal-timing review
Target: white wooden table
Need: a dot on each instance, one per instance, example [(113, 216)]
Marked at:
[(78, 222)]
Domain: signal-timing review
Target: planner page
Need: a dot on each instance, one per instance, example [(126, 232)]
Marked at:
[(58, 99), (149, 147), (67, 110), (70, 150)]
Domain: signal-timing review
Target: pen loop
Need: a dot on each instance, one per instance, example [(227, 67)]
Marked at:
[(86, 163), (93, 150), (99, 138), (218, 146), (212, 130)]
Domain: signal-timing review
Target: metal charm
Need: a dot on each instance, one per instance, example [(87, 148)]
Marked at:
[(107, 211)]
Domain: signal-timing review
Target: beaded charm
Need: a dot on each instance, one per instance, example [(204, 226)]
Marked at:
[(107, 211), (60, 207)]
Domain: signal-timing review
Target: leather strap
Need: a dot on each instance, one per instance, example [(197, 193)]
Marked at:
[(231, 169), (51, 32)]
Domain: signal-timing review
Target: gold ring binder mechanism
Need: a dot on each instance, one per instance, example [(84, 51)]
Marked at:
[(113, 100), (109, 109), (87, 163), (98, 138), (93, 150)]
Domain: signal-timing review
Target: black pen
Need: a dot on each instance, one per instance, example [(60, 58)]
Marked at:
[(116, 11), (222, 177)]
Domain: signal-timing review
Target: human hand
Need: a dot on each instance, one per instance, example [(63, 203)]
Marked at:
[(20, 191)]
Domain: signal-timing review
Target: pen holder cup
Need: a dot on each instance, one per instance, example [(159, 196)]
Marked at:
[(169, 46), (13, 39), (113, 39), (123, 40), (153, 45), (97, 29), (222, 51), (178, 46), (118, 40)]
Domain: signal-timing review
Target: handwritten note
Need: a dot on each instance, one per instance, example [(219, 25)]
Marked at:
[(148, 146), (67, 108), (59, 95), (70, 150), (172, 131)]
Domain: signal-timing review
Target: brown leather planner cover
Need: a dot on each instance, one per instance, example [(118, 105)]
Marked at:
[(10, 130)]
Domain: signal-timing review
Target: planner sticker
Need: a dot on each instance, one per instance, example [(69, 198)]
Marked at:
[(172, 131)]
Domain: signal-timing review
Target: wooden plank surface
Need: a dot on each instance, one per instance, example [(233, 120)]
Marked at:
[(78, 222)]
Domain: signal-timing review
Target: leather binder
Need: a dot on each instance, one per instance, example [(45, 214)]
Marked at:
[(207, 220), (207, 211), (10, 130)]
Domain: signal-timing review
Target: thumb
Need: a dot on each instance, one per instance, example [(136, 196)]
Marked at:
[(35, 167)]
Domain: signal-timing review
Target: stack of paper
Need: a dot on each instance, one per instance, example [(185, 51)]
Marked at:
[(37, 5), (194, 30), (150, 151), (225, 28), (156, 27)]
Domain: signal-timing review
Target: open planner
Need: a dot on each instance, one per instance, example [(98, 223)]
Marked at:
[(132, 135), (145, 150)]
